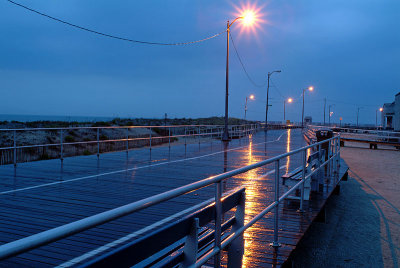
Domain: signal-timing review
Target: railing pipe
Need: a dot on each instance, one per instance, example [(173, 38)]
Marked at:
[(275, 243), (15, 147), (218, 218), (61, 146), (98, 142)]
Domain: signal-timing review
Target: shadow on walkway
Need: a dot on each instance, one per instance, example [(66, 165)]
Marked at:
[(351, 235)]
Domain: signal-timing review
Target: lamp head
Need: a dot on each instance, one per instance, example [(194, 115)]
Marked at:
[(251, 97), (248, 17), (380, 109), (311, 88), (290, 100)]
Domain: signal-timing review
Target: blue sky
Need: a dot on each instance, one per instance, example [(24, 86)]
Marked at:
[(348, 50)]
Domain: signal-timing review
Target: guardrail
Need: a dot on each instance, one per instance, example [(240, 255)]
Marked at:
[(96, 140), (367, 135), (330, 166)]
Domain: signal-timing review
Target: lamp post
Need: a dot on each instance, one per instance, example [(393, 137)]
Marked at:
[(249, 17), (330, 114), (302, 111), (376, 117), (251, 97), (266, 107), (289, 100), (358, 112)]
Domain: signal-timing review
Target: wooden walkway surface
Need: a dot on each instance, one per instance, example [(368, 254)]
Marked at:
[(41, 195)]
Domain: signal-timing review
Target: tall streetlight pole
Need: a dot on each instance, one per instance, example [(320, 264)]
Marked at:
[(358, 111), (376, 117), (248, 18), (329, 118), (266, 108), (302, 111), (324, 109), (245, 106), (289, 100)]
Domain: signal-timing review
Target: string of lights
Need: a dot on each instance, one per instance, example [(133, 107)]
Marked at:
[(113, 36), (244, 69)]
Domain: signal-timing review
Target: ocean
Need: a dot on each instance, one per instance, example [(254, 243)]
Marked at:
[(30, 118)]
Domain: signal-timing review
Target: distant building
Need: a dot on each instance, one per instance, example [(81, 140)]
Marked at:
[(391, 114), (307, 120)]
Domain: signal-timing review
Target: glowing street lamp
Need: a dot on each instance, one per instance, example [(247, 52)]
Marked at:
[(289, 100), (330, 113), (302, 111), (376, 117), (251, 97), (248, 18)]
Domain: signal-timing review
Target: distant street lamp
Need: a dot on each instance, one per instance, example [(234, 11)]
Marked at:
[(289, 100), (358, 112), (302, 111), (266, 108), (330, 114), (376, 117), (251, 97), (248, 19)]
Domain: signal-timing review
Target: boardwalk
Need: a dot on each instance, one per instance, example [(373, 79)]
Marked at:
[(37, 196)]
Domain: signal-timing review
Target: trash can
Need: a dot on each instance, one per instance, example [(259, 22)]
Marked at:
[(324, 134)]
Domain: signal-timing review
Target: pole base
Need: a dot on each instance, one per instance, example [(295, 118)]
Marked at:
[(225, 136), (275, 244)]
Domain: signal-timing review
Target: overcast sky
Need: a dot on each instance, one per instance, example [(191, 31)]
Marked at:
[(348, 50)]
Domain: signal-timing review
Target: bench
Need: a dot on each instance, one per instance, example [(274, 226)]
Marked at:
[(373, 144), (292, 178), (183, 242)]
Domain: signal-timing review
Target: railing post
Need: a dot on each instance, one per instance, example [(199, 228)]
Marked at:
[(191, 245), (169, 137), (303, 177), (275, 243), (218, 217), (15, 148), (185, 136), (236, 248), (150, 139), (199, 135), (98, 142), (127, 140), (61, 146)]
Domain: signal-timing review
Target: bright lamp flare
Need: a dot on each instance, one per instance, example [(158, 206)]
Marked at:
[(380, 109), (310, 88), (290, 100), (248, 17), (252, 97)]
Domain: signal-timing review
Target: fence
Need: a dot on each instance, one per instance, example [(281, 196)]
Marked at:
[(62, 142), (330, 166)]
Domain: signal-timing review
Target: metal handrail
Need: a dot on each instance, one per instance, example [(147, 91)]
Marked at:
[(189, 131), (358, 129), (52, 235)]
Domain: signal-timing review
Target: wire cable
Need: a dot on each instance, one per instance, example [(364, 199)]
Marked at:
[(244, 69), (114, 36)]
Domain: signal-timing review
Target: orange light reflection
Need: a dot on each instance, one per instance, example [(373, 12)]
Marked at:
[(288, 149)]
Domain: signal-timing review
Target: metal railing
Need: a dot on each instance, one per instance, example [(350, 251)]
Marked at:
[(330, 166), (151, 136), (372, 135)]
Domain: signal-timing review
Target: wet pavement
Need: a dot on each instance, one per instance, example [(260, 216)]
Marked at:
[(363, 222)]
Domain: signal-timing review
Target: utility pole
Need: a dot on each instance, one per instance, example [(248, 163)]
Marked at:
[(324, 109), (358, 111)]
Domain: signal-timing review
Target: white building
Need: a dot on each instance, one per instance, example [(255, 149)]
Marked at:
[(391, 114)]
